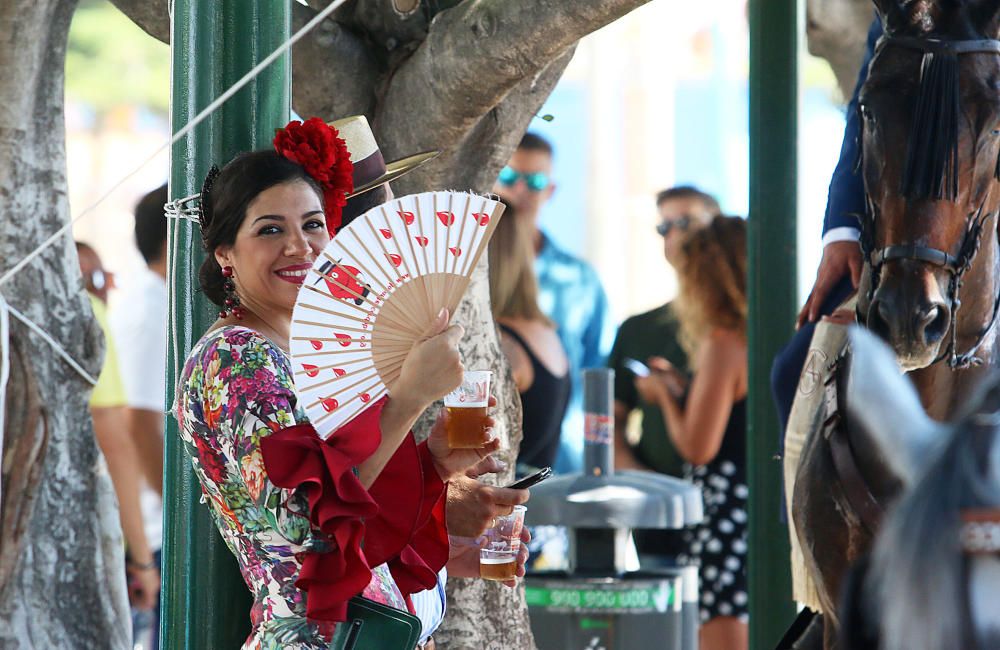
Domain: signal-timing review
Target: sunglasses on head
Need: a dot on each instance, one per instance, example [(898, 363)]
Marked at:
[(536, 182), (664, 227)]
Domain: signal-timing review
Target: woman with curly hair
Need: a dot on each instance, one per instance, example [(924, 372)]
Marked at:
[(706, 418)]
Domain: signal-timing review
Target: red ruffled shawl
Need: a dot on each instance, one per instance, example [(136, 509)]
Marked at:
[(399, 520)]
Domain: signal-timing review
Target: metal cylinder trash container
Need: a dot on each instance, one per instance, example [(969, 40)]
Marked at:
[(601, 600)]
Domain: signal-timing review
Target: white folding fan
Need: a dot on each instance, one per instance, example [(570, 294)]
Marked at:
[(374, 290)]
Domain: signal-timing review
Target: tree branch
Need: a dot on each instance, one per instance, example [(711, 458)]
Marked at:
[(334, 74), (388, 27), (476, 160), (474, 55), (837, 30), (151, 16)]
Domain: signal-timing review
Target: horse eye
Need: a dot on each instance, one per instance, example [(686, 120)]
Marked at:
[(995, 132)]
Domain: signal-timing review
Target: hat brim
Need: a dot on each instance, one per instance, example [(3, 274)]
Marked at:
[(395, 169)]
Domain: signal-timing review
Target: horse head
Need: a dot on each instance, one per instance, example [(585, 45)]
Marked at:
[(931, 160), (935, 567)]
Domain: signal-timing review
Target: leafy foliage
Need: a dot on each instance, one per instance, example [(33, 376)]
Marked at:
[(110, 62)]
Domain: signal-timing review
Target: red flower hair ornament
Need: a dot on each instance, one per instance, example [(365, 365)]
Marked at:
[(321, 151)]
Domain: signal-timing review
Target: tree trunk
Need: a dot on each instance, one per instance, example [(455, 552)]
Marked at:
[(67, 588), (482, 614), (836, 30)]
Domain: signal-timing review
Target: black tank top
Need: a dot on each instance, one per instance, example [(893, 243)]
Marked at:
[(544, 405), (734, 441)]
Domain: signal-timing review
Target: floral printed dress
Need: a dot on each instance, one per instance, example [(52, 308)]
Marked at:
[(235, 391)]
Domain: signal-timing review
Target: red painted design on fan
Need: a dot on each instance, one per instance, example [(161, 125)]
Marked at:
[(365, 397), (447, 218), (455, 250), (407, 216), (423, 241), (310, 369), (344, 282), (340, 372), (481, 218), (317, 345), (329, 404), (395, 259), (386, 233), (343, 339)]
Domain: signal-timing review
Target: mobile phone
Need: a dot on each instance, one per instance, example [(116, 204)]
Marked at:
[(638, 368), (534, 479)]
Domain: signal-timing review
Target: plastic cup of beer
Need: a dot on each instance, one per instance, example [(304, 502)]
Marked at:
[(467, 406), (498, 558)]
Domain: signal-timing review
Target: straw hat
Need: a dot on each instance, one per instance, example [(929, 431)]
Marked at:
[(370, 168)]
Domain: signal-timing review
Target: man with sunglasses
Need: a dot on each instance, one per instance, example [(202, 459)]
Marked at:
[(570, 292), (646, 444)]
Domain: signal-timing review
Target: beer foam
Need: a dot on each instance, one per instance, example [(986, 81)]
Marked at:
[(497, 560)]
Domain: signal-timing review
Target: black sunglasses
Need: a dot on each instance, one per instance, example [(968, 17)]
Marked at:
[(664, 227)]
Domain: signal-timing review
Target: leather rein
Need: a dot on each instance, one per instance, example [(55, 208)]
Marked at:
[(955, 265)]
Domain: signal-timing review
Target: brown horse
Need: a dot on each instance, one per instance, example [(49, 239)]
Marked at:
[(931, 284)]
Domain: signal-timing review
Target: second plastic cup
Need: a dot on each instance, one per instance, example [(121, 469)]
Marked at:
[(467, 410), (498, 559)]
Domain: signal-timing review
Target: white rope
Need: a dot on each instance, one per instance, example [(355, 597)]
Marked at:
[(179, 209), (187, 128), (172, 312), (90, 379), (4, 372), (5, 312)]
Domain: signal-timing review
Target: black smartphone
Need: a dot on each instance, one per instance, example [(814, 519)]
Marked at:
[(534, 479)]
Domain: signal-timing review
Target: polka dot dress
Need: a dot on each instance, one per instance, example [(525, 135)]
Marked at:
[(719, 544)]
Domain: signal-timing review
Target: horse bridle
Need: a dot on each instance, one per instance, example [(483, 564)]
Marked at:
[(980, 530), (955, 265)]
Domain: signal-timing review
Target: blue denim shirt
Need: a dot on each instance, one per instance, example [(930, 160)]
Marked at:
[(847, 187), (570, 293)]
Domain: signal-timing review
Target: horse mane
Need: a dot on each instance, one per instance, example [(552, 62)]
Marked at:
[(931, 165), (918, 567)]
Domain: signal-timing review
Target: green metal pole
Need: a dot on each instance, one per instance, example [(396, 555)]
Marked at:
[(772, 294), (205, 602)]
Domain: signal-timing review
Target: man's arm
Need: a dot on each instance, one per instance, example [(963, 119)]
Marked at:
[(123, 466), (624, 456), (846, 198), (472, 505), (845, 203), (146, 428), (626, 397)]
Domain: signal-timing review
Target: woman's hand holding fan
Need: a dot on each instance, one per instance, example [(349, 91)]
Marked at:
[(453, 462), (375, 292), (433, 368)]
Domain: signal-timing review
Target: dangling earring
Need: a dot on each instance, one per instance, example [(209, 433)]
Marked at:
[(232, 299)]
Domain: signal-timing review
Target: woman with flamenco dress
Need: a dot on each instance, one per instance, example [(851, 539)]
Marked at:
[(312, 522)]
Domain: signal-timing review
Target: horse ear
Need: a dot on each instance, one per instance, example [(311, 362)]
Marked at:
[(986, 17), (893, 13), (887, 405)]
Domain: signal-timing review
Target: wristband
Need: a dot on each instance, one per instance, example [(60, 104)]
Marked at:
[(145, 566)]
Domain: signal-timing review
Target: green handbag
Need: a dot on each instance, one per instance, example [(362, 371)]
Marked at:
[(374, 626)]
